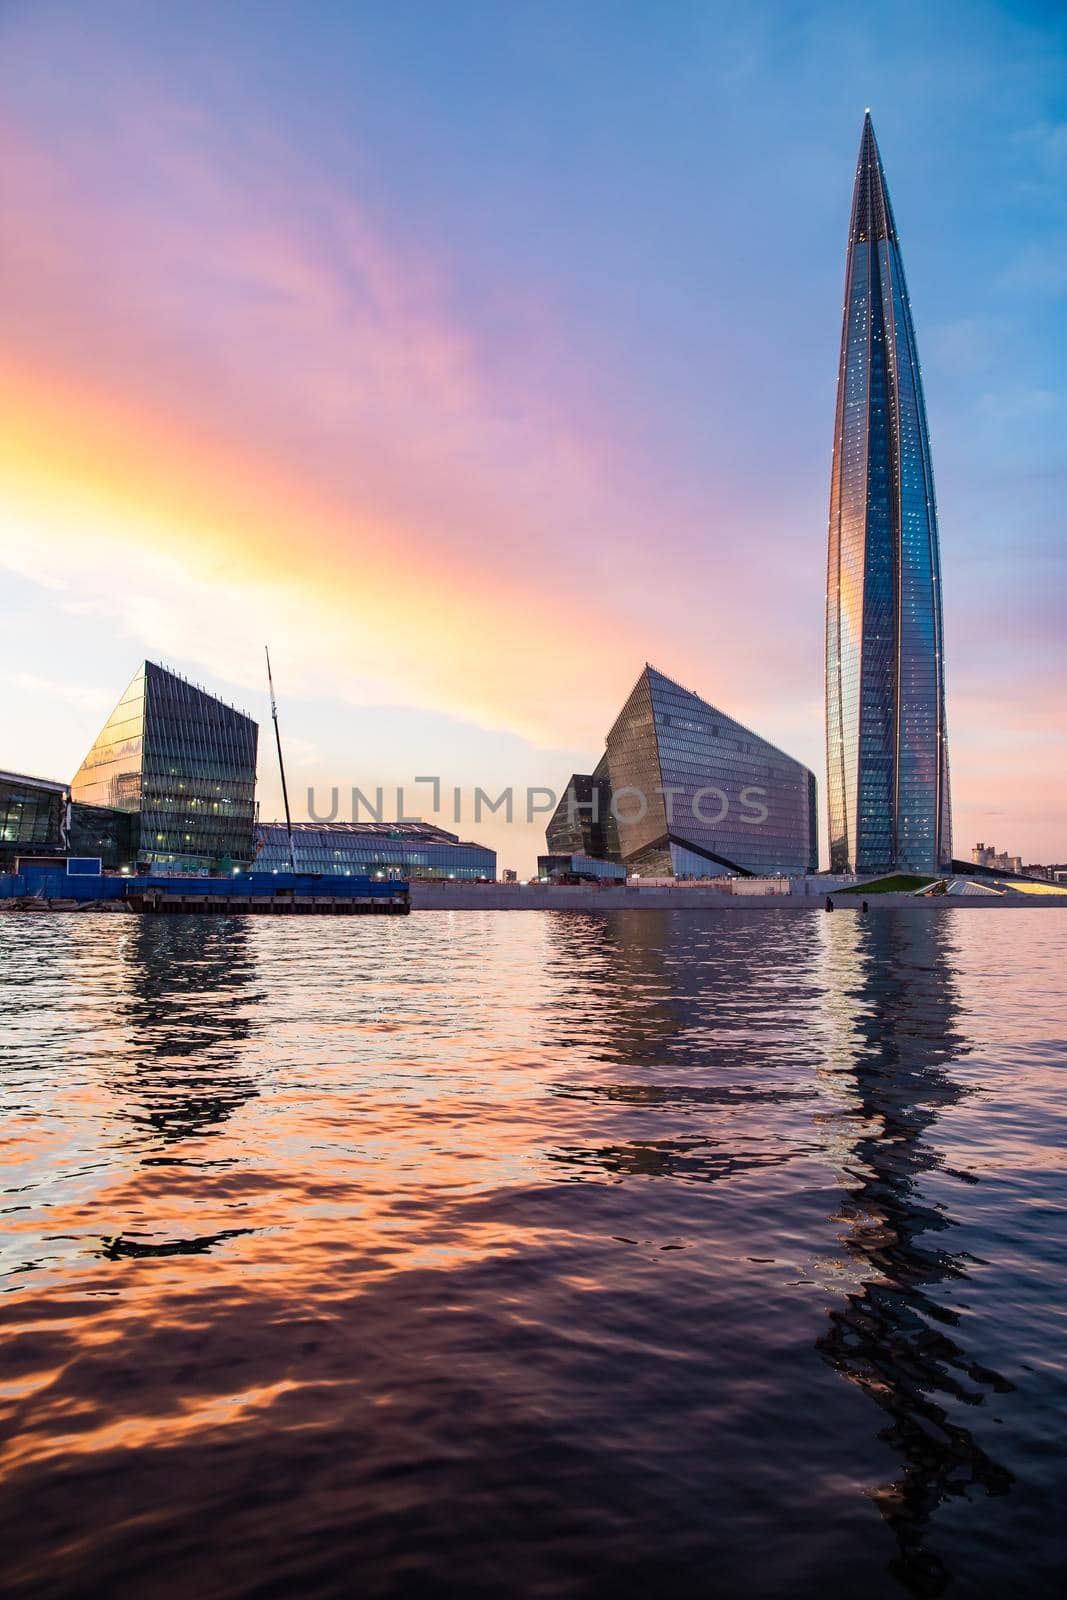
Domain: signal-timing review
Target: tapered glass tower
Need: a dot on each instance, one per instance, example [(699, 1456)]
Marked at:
[(886, 744)]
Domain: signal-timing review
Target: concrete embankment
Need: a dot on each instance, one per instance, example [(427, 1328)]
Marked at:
[(588, 897)]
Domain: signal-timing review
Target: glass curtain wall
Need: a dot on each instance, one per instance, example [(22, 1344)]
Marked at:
[(887, 746), (373, 850), (32, 816), (184, 764)]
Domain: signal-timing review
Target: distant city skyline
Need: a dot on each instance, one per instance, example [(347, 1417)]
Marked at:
[(474, 356)]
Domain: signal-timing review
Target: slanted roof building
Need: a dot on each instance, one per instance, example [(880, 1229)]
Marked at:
[(683, 790), (183, 764)]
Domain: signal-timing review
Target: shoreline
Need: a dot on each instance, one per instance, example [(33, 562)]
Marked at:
[(579, 899), (429, 896)]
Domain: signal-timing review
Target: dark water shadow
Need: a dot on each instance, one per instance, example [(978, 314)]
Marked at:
[(191, 989), (133, 1247)]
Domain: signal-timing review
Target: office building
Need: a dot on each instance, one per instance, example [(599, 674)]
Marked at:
[(685, 791), (33, 817), (182, 765), (887, 746)]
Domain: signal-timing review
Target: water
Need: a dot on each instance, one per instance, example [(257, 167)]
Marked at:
[(534, 1254)]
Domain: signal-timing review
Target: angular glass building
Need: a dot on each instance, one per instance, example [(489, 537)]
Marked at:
[(373, 849), (183, 764), (886, 741), (689, 793)]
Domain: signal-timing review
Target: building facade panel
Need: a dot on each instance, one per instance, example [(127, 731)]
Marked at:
[(582, 823), (729, 793), (638, 804), (198, 775), (104, 832)]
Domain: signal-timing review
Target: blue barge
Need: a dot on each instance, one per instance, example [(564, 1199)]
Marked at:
[(245, 894)]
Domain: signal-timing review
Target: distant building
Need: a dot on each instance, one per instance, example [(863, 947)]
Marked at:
[(377, 849), (987, 855), (577, 865), (886, 739), (684, 791), (169, 783), (182, 764), (33, 817)]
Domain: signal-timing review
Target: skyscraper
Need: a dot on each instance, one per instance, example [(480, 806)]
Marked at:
[(886, 743)]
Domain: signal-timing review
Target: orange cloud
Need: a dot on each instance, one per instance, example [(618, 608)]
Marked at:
[(208, 552)]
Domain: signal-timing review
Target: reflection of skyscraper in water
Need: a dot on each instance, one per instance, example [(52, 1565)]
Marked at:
[(190, 987), (896, 1337)]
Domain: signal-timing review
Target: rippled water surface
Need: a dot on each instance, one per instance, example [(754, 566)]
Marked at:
[(534, 1254)]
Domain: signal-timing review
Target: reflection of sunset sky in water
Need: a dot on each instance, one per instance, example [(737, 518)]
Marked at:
[(532, 1243)]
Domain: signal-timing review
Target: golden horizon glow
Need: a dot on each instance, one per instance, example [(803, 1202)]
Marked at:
[(97, 482)]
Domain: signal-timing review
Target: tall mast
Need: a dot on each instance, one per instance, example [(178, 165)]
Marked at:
[(281, 763)]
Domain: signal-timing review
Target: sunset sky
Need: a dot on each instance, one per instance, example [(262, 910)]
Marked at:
[(474, 354)]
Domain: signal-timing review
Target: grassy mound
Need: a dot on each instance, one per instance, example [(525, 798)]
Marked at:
[(896, 883)]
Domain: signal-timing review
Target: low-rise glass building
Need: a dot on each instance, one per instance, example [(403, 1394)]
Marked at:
[(182, 764), (690, 793), (377, 849), (556, 867), (33, 817), (102, 832)]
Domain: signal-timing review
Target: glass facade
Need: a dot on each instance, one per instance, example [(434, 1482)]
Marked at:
[(33, 815), (582, 823), (692, 793), (102, 832), (886, 740), (183, 763), (579, 865), (375, 849)]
